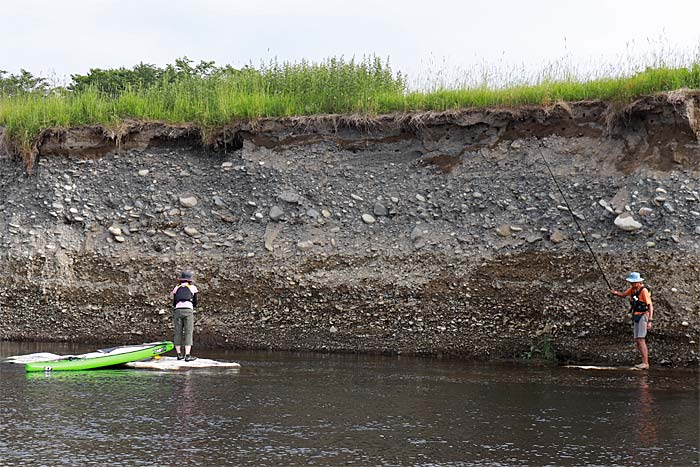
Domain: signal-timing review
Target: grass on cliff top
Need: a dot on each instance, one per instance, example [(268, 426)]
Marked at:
[(290, 89)]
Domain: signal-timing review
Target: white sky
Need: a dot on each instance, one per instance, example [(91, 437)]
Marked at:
[(59, 37)]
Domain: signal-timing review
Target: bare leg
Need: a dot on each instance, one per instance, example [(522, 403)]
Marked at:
[(642, 347), (188, 348)]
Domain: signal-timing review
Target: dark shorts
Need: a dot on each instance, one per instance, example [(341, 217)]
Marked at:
[(183, 319)]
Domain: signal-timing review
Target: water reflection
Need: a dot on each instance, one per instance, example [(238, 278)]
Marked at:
[(295, 409), (105, 376), (646, 419), (184, 404)]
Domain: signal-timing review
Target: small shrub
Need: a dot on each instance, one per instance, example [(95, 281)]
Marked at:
[(542, 349)]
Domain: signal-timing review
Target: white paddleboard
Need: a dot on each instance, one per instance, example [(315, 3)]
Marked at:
[(596, 367), (34, 357), (172, 363)]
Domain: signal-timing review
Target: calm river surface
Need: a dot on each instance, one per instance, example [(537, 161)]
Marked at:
[(308, 409)]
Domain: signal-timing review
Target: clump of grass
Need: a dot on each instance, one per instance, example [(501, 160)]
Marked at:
[(208, 96), (542, 349)]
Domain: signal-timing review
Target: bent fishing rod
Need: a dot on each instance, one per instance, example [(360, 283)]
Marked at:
[(561, 192)]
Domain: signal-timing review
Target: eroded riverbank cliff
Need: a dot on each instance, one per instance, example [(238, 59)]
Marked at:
[(429, 233)]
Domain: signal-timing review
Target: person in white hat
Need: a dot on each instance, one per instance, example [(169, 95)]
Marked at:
[(642, 313)]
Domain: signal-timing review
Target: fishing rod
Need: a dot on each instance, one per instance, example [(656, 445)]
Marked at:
[(561, 192)]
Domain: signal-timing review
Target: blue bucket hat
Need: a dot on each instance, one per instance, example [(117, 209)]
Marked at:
[(634, 277)]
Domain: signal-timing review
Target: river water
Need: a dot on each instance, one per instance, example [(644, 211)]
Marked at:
[(311, 409)]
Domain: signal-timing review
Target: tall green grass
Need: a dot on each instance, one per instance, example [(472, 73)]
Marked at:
[(368, 86)]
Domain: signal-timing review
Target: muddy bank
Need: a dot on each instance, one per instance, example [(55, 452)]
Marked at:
[(431, 233)]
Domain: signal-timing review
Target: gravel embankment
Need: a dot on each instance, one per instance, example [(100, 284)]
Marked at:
[(451, 239)]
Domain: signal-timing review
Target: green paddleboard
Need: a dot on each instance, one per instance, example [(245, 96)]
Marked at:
[(103, 358)]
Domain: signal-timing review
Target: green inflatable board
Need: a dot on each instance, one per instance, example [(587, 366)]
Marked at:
[(103, 358)]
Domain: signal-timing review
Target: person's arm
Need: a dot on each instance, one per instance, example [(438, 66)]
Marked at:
[(616, 293), (195, 299), (645, 297)]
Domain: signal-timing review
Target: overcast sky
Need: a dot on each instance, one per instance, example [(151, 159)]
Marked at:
[(70, 36)]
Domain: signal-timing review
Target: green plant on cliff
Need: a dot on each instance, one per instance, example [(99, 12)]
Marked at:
[(542, 349), (210, 96)]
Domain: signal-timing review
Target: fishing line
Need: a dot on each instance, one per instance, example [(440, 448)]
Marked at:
[(539, 146)]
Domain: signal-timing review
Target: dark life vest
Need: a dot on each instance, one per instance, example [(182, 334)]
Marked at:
[(183, 293), (638, 307)]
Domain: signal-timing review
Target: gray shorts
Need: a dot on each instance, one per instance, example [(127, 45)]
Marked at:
[(640, 328), (183, 320)]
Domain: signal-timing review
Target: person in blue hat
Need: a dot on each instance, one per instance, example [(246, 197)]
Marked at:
[(642, 313), (185, 298)]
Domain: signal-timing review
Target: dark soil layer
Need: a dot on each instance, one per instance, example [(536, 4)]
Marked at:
[(430, 233)]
